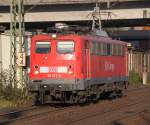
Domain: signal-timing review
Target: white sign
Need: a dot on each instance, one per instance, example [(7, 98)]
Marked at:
[(109, 66)]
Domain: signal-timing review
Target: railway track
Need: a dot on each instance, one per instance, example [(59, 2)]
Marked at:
[(36, 112), (20, 114), (132, 116), (131, 88), (18, 111), (13, 115), (99, 114)]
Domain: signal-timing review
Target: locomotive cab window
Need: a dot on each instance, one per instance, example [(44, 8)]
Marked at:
[(65, 47), (43, 47)]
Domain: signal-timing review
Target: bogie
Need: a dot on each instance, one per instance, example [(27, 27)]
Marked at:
[(80, 97)]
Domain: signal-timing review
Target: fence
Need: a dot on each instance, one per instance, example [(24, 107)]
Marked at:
[(139, 62)]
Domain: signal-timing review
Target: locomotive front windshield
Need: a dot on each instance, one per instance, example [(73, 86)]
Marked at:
[(65, 47), (43, 47)]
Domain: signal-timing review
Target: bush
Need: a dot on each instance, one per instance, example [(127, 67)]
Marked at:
[(11, 93), (135, 78), (148, 80)]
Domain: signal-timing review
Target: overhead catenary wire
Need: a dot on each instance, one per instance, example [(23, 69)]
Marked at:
[(97, 14), (33, 6)]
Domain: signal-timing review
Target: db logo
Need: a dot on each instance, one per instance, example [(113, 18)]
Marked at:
[(52, 69)]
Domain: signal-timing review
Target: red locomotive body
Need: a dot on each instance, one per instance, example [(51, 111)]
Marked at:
[(70, 67)]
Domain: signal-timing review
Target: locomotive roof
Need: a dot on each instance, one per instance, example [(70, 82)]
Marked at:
[(104, 39), (86, 37)]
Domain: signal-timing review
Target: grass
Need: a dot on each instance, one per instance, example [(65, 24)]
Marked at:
[(135, 79), (13, 97), (5, 103), (148, 80)]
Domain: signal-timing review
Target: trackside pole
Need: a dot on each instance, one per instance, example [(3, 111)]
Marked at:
[(145, 74)]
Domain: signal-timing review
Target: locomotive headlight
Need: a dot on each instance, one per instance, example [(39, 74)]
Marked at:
[(44, 86), (59, 86), (36, 72), (54, 35), (70, 72)]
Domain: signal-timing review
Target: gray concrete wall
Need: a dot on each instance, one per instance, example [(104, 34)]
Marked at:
[(5, 51)]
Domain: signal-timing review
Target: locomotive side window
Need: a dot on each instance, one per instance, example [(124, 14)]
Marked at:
[(118, 50), (122, 50), (109, 49), (97, 48), (65, 47), (43, 47), (115, 49), (105, 49), (102, 49), (93, 48)]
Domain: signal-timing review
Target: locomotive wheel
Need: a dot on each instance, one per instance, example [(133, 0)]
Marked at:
[(119, 93), (96, 98), (73, 99), (37, 101), (113, 95), (82, 100)]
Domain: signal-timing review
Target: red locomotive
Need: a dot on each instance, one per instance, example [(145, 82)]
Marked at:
[(72, 68)]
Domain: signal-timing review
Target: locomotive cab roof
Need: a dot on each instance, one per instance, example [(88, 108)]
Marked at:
[(82, 31)]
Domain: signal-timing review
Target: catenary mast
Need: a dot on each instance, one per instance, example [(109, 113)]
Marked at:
[(17, 55)]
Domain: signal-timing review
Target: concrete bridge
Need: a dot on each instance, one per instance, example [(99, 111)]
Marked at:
[(49, 11), (44, 2)]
